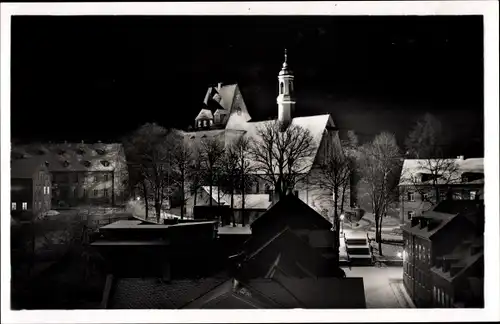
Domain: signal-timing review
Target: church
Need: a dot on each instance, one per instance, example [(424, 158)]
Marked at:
[(225, 116)]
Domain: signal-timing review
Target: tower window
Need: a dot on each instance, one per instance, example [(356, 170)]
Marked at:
[(291, 86), (281, 87)]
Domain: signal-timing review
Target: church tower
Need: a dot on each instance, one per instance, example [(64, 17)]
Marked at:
[(286, 98)]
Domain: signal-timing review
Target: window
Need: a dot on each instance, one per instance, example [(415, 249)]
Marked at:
[(472, 194), (291, 86), (48, 190), (296, 192), (105, 192), (75, 193), (281, 87), (257, 187), (14, 206), (96, 192), (105, 177), (95, 178), (25, 206), (210, 122), (411, 196), (100, 151), (84, 192), (411, 214)]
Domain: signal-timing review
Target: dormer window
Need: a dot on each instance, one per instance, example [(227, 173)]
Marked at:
[(47, 163), (204, 136), (80, 151), (41, 152), (66, 163), (238, 111), (192, 137), (281, 87), (61, 152), (100, 151), (105, 163), (86, 163)]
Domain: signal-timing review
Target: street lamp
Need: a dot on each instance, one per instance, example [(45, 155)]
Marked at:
[(342, 224)]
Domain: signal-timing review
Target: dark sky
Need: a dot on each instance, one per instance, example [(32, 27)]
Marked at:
[(98, 78)]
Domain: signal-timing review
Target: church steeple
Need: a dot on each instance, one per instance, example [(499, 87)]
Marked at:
[(286, 98)]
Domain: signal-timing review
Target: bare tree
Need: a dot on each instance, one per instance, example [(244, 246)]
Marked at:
[(282, 156), (434, 171), (230, 174), (212, 153), (379, 163), (181, 161), (151, 154)]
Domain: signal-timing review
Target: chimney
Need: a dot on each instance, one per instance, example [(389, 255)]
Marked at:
[(235, 284), (99, 141), (270, 193), (460, 157), (83, 142), (276, 196), (219, 86)]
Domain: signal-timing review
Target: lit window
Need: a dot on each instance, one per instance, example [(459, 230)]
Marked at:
[(14, 206), (204, 123), (411, 196), (25, 206), (411, 214), (472, 195)]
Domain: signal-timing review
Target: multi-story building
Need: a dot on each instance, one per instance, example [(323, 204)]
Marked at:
[(454, 179), (81, 173), (30, 187), (432, 237), (225, 117)]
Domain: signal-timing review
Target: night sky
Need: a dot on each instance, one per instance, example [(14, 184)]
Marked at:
[(98, 78)]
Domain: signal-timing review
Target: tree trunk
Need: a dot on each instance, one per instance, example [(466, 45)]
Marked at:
[(183, 200), (232, 207), (210, 199), (337, 225), (146, 203), (243, 199)]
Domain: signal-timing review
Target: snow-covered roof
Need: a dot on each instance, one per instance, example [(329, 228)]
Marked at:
[(76, 156), (204, 114), (412, 168), (252, 201)]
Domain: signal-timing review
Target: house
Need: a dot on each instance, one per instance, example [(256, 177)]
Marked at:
[(430, 238), (225, 117), (455, 179), (30, 187), (81, 173), (230, 293), (254, 204)]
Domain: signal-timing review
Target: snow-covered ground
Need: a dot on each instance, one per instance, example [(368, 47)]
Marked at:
[(383, 286)]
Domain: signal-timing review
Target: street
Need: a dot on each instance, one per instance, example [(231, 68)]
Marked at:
[(383, 286)]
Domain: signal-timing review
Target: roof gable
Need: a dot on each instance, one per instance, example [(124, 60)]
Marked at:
[(293, 212)]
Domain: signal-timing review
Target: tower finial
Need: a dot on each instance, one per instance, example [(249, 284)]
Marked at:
[(285, 63)]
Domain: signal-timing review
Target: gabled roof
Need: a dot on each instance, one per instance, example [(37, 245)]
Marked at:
[(154, 293), (204, 114), (440, 220), (316, 126), (292, 205), (76, 156)]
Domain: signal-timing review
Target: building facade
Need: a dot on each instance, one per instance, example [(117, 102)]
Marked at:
[(436, 236), (457, 179), (30, 188), (226, 118), (82, 173)]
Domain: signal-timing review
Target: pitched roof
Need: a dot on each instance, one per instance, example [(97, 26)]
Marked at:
[(154, 293), (314, 124), (26, 168), (290, 204), (440, 220), (252, 201), (204, 114), (464, 258), (413, 167), (76, 156)]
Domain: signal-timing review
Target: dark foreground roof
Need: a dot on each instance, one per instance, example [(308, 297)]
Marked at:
[(220, 293), (26, 168)]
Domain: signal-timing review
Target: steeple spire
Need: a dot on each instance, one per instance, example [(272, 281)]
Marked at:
[(285, 63), (286, 98)]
